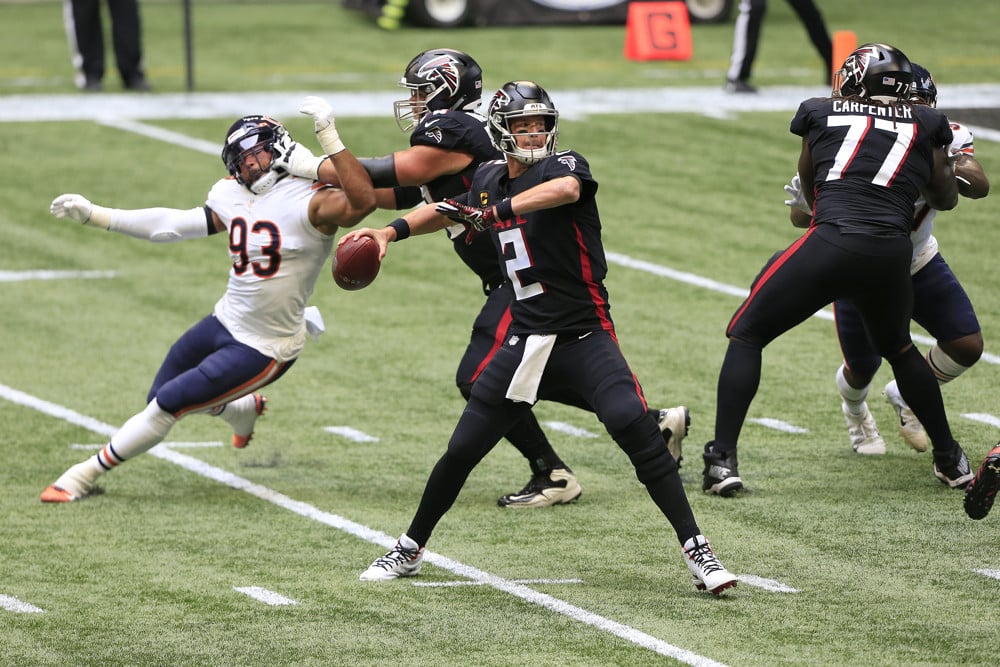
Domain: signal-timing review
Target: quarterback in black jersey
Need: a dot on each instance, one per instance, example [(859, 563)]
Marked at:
[(448, 141), (867, 155), (539, 210)]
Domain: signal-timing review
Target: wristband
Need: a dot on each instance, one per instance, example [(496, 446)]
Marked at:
[(505, 210), (402, 228)]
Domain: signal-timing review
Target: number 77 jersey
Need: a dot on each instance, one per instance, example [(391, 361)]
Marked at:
[(871, 161), (553, 259)]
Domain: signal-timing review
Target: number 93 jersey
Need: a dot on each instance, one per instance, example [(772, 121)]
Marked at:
[(871, 161), (277, 257)]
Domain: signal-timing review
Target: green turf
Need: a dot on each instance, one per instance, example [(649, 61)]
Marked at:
[(880, 552)]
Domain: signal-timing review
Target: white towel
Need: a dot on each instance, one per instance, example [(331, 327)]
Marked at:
[(314, 322), (524, 385)]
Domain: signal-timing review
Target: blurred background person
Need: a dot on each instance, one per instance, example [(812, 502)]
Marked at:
[(746, 34), (85, 33)]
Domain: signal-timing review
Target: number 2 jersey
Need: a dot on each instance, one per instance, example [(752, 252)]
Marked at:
[(277, 257), (553, 259), (871, 161)]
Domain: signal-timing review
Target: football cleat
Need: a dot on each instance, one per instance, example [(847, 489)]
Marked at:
[(558, 487), (953, 469), (400, 561), (865, 438), (910, 429), (982, 490), (674, 424), (242, 416), (74, 484), (707, 573), (721, 476)]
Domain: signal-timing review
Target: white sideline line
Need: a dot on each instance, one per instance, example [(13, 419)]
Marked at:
[(569, 429), (350, 433), (367, 534), (265, 596), (11, 603), (993, 574)]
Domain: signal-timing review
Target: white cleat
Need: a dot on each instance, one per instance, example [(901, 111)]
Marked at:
[(678, 420), (74, 484), (242, 416), (399, 562), (707, 573), (865, 438), (910, 428)]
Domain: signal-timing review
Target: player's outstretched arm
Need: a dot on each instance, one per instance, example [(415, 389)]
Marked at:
[(346, 207), (941, 192), (159, 225), (423, 220)]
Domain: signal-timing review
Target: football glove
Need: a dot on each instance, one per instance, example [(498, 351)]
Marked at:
[(798, 200), (78, 208), (292, 157), (323, 122), (480, 219)]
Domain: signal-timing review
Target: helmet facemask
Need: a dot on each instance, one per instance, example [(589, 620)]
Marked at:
[(253, 136), (518, 100)]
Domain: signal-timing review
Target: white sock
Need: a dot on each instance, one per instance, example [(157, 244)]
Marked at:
[(407, 542), (233, 410), (853, 398), (139, 434)]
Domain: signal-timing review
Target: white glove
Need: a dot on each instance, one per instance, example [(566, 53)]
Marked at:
[(798, 200), (326, 129), (78, 208), (294, 158)]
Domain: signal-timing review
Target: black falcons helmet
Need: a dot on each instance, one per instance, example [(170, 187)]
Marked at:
[(876, 72), (248, 136), (443, 79), (517, 99), (924, 90)]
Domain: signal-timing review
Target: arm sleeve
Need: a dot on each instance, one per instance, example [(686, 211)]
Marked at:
[(162, 225)]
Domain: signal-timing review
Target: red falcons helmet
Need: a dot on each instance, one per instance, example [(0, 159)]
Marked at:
[(248, 136), (518, 99), (438, 79), (877, 72)]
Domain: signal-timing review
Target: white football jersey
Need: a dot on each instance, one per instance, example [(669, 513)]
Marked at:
[(277, 257), (925, 246)]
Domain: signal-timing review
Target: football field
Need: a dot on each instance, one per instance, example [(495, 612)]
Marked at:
[(199, 554)]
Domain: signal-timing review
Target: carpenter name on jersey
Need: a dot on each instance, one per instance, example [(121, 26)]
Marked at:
[(553, 259), (871, 161)]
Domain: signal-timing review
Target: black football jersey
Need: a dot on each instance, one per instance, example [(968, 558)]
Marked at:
[(552, 259), (871, 161), (466, 132)]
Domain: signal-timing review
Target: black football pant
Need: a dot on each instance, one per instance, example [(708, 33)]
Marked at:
[(591, 368)]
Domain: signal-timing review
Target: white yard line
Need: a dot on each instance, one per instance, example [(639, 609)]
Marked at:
[(367, 534), (16, 606), (265, 596)]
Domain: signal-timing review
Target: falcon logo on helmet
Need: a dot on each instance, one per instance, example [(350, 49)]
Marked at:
[(443, 69), (439, 79), (875, 72)]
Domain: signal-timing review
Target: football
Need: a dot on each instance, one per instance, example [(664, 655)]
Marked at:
[(356, 263)]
